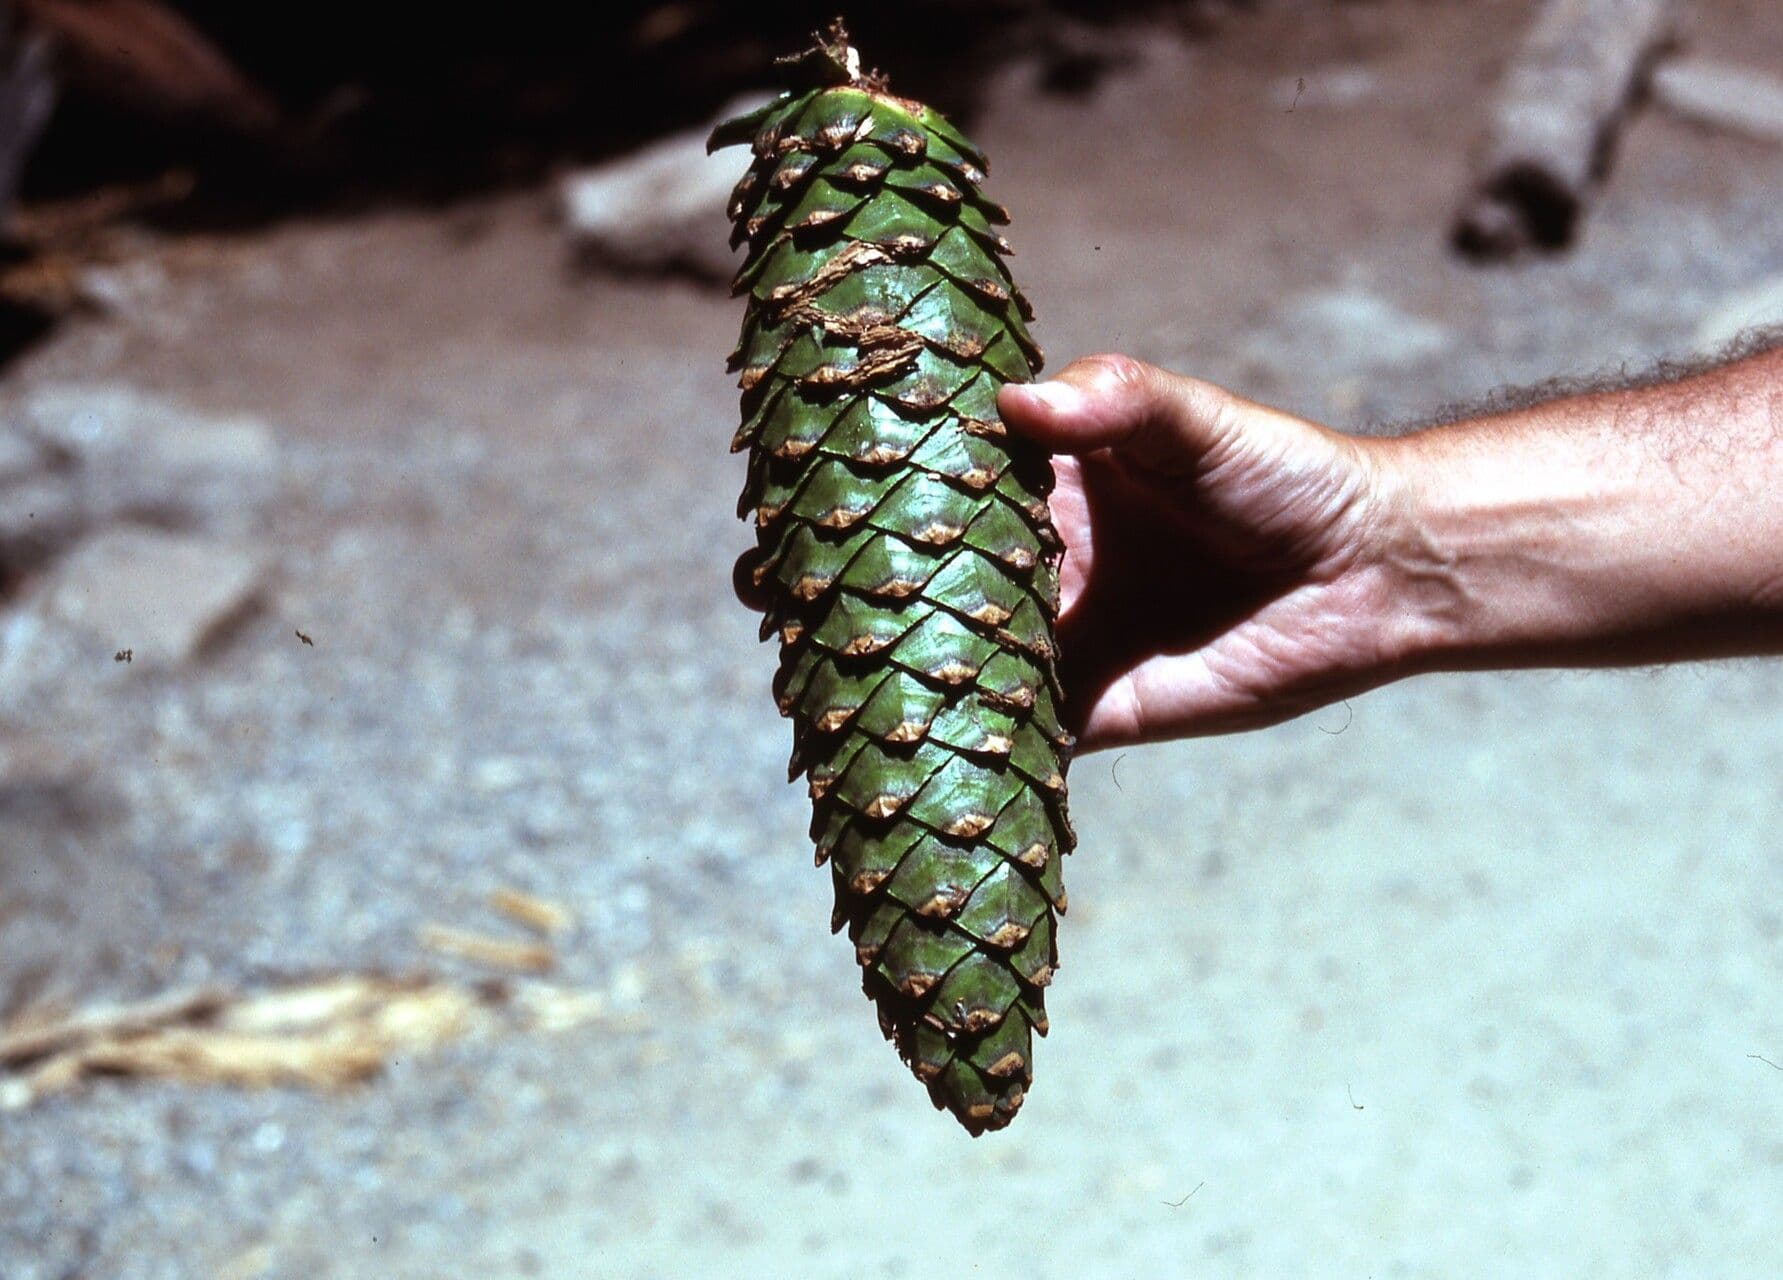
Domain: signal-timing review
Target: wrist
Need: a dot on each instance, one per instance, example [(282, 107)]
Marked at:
[(1495, 557), (1420, 603), (1626, 526)]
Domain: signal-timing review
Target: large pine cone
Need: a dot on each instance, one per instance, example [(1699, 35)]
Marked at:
[(905, 544)]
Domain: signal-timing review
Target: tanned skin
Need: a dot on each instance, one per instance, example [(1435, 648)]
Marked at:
[(1230, 566)]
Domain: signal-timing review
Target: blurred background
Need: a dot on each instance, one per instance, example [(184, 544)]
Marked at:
[(397, 871)]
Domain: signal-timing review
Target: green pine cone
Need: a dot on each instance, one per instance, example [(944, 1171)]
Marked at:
[(906, 547)]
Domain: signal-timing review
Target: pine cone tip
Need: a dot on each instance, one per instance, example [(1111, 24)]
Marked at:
[(832, 60)]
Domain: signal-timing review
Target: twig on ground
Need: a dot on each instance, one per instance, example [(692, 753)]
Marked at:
[(1558, 109), (536, 913), (327, 1033), (479, 948), (29, 1042)]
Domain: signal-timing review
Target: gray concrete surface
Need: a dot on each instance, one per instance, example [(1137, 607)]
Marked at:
[(1465, 981)]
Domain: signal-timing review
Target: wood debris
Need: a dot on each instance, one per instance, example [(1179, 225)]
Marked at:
[(481, 948), (1554, 121), (38, 1037), (538, 914), (326, 1033)]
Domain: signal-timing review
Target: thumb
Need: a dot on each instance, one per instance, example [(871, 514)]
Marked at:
[(1117, 402)]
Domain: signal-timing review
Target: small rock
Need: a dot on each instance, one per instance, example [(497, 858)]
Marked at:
[(162, 595), (1756, 307), (630, 984), (136, 455), (658, 209), (498, 773), (124, 288)]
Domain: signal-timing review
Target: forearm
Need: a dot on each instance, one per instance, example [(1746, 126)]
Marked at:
[(1617, 527)]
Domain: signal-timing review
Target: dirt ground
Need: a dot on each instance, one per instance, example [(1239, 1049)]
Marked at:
[(1478, 977)]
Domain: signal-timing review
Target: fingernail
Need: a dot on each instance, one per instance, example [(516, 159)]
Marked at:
[(1060, 397)]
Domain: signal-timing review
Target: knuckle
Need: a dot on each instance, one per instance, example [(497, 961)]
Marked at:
[(1118, 370), (1212, 407)]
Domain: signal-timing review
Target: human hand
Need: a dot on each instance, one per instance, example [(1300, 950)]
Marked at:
[(1227, 565)]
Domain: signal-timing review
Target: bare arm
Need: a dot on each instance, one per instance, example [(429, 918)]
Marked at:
[(1230, 566), (1619, 527)]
